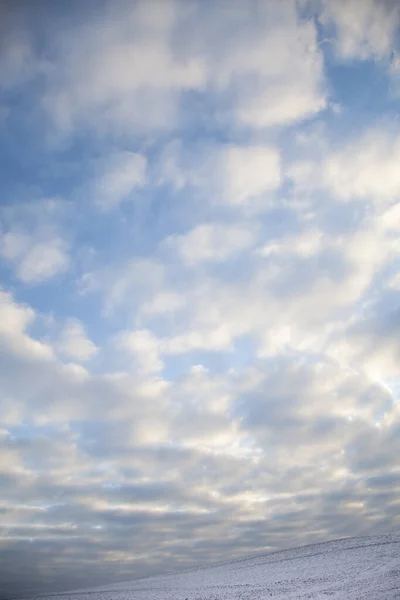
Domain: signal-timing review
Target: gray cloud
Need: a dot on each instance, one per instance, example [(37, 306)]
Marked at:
[(88, 497)]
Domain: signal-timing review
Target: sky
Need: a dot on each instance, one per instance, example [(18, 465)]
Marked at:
[(200, 285)]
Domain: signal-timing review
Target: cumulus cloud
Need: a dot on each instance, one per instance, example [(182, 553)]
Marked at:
[(213, 242), (249, 172), (363, 169), (42, 261), (31, 241), (139, 66), (363, 29), (74, 343), (275, 74), (130, 76), (144, 347), (162, 462), (216, 373), (138, 279), (118, 176), (15, 318), (241, 177)]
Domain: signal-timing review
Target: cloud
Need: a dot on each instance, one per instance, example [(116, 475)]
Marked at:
[(245, 450), (74, 343), (163, 302), (274, 74), (143, 346), (115, 83), (296, 290), (371, 344), (216, 370), (32, 242), (42, 261), (138, 279), (15, 320), (262, 63), (364, 30), (250, 171), (213, 242), (363, 169), (118, 177), (241, 177), (304, 424)]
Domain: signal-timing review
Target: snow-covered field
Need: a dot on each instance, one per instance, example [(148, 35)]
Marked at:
[(348, 569)]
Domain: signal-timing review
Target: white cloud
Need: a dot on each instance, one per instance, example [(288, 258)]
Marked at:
[(213, 242), (15, 319), (32, 242), (130, 76), (74, 343), (366, 169), (305, 245), (163, 302), (117, 177), (371, 346), (134, 281), (281, 105), (292, 291), (43, 261), (267, 254), (144, 348), (37, 388), (241, 176), (364, 29), (363, 169), (34, 262), (249, 171), (13, 245), (214, 338), (135, 71), (137, 280), (268, 59), (294, 297)]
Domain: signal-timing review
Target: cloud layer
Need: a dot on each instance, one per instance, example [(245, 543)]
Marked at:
[(199, 308)]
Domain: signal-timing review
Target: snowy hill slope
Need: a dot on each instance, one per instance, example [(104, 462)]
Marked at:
[(348, 569)]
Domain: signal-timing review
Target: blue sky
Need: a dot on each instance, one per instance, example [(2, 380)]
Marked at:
[(199, 302)]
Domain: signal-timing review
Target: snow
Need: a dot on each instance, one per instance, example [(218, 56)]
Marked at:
[(348, 569)]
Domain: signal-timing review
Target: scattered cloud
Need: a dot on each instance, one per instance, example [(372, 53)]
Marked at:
[(32, 242), (249, 172), (213, 242), (120, 174), (42, 261), (362, 169), (364, 30), (74, 342), (131, 75), (216, 370), (144, 348)]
